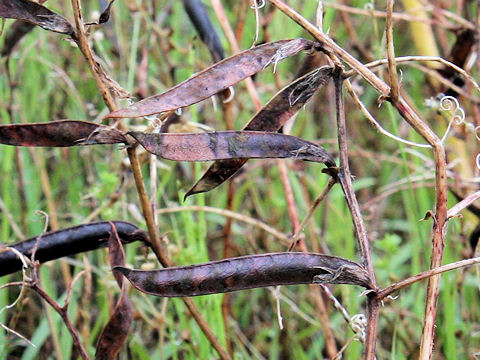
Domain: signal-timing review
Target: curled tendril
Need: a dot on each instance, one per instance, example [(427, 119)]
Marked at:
[(258, 5), (214, 103), (359, 324), (231, 95), (369, 6), (449, 103)]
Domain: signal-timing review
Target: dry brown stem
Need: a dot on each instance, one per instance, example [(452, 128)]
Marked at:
[(63, 312), (425, 275), (345, 178), (142, 193), (441, 179), (392, 66)]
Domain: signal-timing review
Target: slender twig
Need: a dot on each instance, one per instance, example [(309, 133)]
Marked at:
[(70, 287), (358, 330), (7, 329), (312, 209), (322, 312), (376, 13), (345, 179), (288, 192), (392, 66), (63, 312), (371, 202), (436, 76), (373, 121), (84, 47), (142, 193), (424, 275), (39, 161), (462, 204), (439, 228), (11, 221), (426, 132), (407, 17), (407, 59), (230, 214)]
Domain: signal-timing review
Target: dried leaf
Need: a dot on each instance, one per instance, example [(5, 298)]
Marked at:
[(67, 242), (247, 272), (116, 331), (36, 14), (59, 133), (216, 78), (231, 145), (286, 103)]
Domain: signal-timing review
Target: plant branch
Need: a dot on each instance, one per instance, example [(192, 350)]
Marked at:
[(345, 179), (424, 130), (392, 66), (63, 312), (382, 294), (229, 214), (142, 193), (318, 200)]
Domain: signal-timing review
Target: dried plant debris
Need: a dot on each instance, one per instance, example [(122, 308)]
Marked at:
[(231, 145), (286, 103), (115, 333), (198, 15), (59, 133), (67, 242), (14, 34), (36, 14), (105, 15), (247, 272), (216, 78), (461, 50)]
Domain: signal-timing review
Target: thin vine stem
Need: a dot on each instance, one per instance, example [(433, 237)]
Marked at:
[(427, 133), (141, 190), (345, 179)]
